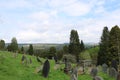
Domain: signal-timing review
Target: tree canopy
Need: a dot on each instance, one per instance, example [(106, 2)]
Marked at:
[(14, 44), (2, 44)]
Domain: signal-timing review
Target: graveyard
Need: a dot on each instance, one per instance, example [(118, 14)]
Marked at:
[(12, 68)]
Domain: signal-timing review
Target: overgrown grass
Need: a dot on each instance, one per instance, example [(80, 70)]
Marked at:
[(12, 69)]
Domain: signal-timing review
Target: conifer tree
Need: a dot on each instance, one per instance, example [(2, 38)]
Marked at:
[(104, 47), (82, 46), (2, 44), (30, 50), (114, 43), (74, 45)]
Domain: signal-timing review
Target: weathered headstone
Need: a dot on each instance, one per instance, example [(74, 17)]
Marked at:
[(67, 67), (73, 77), (26, 62), (30, 61), (38, 59), (46, 68), (114, 64), (56, 59), (112, 72), (97, 78), (56, 67), (23, 59), (118, 76), (74, 73), (104, 68), (94, 71), (15, 54)]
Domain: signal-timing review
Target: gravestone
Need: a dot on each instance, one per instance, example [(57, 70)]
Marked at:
[(114, 64), (57, 67), (104, 68), (26, 62), (46, 68), (15, 54), (74, 73), (73, 77), (97, 78), (30, 61), (23, 59), (112, 72), (67, 67), (94, 71), (118, 76), (38, 59), (56, 59)]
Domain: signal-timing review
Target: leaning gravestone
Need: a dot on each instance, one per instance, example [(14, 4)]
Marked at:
[(46, 68), (94, 71), (38, 60), (104, 68), (23, 59)]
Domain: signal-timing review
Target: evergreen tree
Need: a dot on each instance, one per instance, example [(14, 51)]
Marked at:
[(74, 45), (52, 52), (22, 49), (82, 46), (104, 46), (14, 44), (114, 43), (65, 49), (30, 50), (9, 48), (2, 44)]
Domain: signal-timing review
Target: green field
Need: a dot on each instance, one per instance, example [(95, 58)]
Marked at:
[(12, 69)]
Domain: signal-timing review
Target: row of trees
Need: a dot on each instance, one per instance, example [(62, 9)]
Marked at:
[(109, 45), (13, 47), (74, 47)]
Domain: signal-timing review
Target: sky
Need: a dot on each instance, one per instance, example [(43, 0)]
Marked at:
[(50, 21)]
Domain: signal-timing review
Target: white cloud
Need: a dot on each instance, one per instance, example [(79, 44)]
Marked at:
[(77, 9), (12, 4), (40, 16), (49, 23)]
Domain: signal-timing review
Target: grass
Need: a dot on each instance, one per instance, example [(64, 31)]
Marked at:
[(12, 69)]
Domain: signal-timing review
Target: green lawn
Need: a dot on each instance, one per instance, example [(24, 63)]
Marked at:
[(12, 69)]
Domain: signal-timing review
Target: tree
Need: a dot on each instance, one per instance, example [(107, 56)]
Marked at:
[(104, 47), (9, 48), (114, 43), (14, 44), (22, 49), (74, 45), (52, 52), (2, 44), (82, 46), (30, 50), (65, 49)]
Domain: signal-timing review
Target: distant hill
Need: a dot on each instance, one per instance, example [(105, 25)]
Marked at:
[(45, 46)]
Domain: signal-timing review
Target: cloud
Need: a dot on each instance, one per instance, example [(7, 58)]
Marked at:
[(50, 21), (77, 9), (13, 4)]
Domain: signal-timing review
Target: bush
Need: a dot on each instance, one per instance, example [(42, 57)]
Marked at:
[(70, 58)]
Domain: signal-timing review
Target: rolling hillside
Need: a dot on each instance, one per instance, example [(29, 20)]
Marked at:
[(12, 69)]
